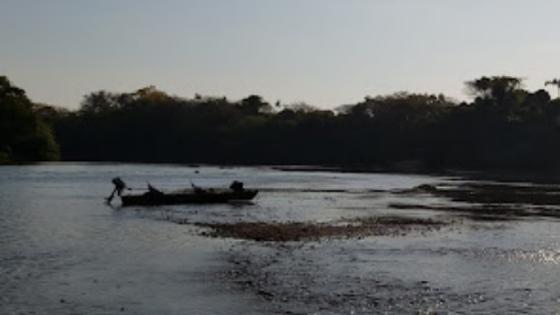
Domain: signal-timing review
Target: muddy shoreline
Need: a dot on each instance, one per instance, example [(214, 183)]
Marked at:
[(308, 231)]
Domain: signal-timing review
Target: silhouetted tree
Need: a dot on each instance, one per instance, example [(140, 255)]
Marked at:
[(254, 104), (99, 102), (555, 82), (24, 137)]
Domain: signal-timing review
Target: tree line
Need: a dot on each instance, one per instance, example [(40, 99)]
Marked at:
[(504, 127)]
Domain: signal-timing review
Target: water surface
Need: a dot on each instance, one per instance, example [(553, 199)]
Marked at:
[(63, 251)]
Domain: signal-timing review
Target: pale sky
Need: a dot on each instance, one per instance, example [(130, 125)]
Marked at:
[(324, 52)]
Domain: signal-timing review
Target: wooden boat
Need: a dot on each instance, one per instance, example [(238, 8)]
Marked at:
[(155, 197), (206, 196)]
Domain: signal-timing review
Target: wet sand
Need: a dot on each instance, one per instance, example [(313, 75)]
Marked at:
[(299, 231)]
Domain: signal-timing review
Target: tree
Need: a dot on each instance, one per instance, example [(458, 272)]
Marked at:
[(254, 104), (24, 136), (555, 82), (99, 102), (497, 89)]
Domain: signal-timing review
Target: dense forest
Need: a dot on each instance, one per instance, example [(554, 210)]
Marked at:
[(504, 127), (24, 136)]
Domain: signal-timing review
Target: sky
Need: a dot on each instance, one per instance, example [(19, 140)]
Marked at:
[(324, 52)]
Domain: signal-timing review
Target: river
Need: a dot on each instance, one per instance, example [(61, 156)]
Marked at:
[(64, 251)]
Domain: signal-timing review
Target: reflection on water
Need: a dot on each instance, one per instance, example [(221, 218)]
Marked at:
[(63, 251)]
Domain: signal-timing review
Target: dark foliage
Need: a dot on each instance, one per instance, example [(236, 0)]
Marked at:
[(24, 136), (505, 127)]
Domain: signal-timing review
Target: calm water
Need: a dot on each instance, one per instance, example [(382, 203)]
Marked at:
[(63, 251)]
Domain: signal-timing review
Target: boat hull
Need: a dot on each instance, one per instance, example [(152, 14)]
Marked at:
[(150, 199)]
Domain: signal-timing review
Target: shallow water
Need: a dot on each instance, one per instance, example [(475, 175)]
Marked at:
[(63, 251)]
